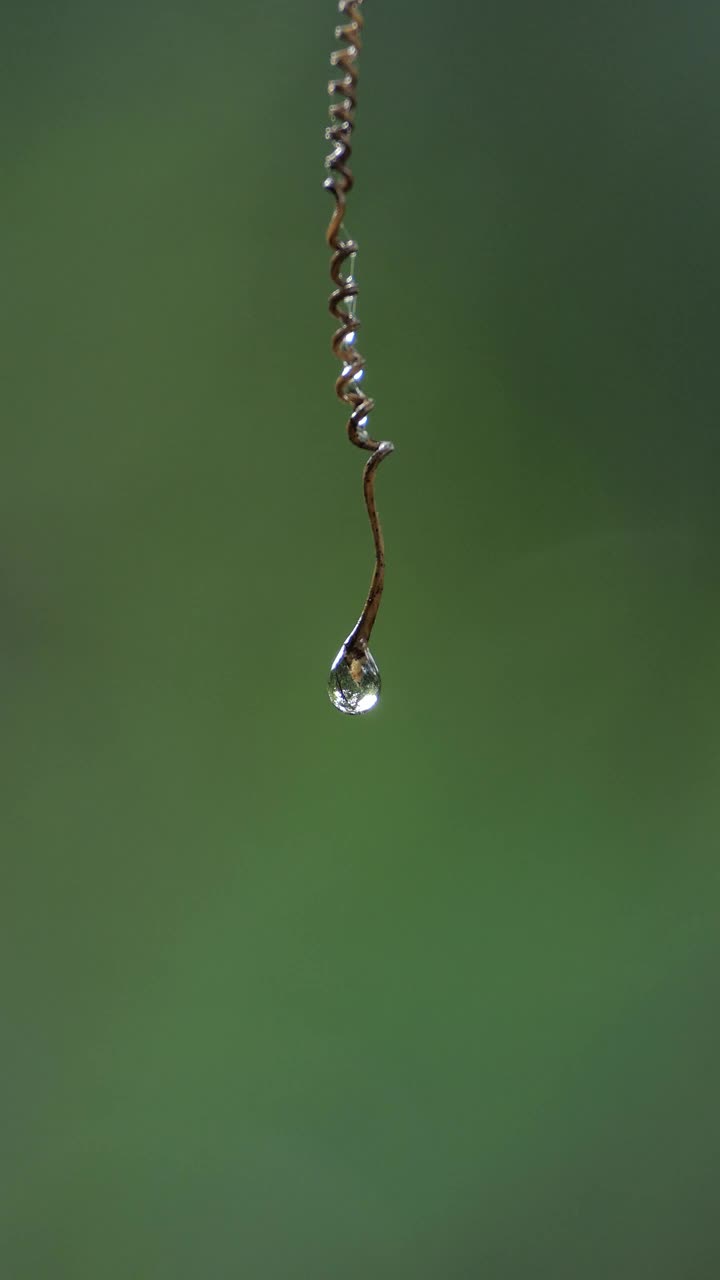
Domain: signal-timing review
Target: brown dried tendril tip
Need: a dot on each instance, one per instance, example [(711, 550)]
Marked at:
[(353, 658)]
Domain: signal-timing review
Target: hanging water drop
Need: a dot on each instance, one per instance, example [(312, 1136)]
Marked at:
[(354, 684)]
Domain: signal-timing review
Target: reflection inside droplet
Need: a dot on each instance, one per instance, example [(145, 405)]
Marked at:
[(354, 684)]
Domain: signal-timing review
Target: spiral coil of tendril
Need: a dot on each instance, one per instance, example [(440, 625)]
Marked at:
[(340, 182), (345, 291)]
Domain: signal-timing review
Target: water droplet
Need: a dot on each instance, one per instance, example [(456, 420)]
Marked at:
[(354, 684)]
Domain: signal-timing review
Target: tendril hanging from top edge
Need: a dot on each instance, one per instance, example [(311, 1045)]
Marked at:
[(342, 299)]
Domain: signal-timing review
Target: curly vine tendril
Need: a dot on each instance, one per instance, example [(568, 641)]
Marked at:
[(342, 301)]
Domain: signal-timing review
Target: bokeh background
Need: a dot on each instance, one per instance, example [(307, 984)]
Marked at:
[(434, 992)]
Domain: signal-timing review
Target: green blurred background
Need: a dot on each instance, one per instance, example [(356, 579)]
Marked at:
[(434, 992)]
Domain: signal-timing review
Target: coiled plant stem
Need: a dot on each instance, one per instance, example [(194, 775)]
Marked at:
[(342, 301)]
